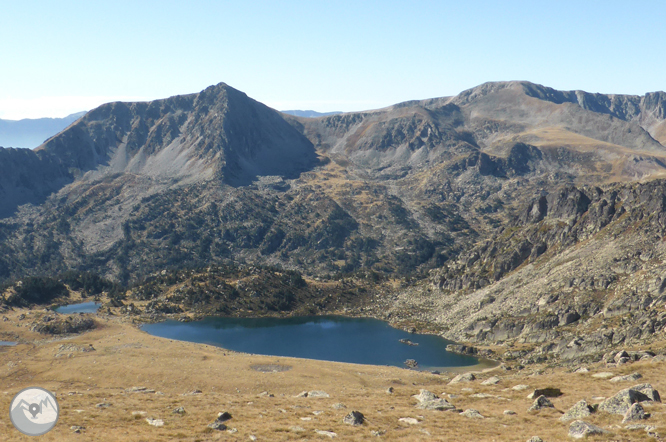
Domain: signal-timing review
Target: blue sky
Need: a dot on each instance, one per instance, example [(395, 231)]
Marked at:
[(62, 57)]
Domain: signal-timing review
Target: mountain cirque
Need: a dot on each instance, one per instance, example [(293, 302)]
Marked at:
[(512, 215)]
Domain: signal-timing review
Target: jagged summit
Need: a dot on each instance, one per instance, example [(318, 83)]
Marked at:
[(219, 132)]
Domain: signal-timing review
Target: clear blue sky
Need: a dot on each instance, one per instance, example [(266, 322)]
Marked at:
[(59, 57)]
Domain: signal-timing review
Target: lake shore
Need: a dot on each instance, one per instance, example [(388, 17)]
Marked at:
[(103, 365)]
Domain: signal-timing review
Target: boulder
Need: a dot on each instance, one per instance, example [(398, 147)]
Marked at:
[(491, 381), (463, 377), (411, 363), (548, 392), (326, 433), (635, 413), (155, 422), (430, 401), (580, 409), (621, 355), (179, 410), (540, 403), (354, 418), (472, 413), (408, 420), (580, 429), (217, 426), (624, 399), (223, 416), (627, 378), (509, 412)]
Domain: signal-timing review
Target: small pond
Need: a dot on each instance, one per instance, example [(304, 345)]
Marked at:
[(329, 338), (84, 307), (7, 344)]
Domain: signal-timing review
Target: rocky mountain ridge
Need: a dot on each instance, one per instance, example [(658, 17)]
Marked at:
[(491, 202)]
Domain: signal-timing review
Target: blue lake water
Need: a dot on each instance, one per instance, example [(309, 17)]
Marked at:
[(328, 338), (6, 343), (84, 307)]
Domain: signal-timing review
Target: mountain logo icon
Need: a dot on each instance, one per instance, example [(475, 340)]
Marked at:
[(34, 411)]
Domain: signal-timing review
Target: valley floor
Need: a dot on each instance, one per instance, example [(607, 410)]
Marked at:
[(94, 374)]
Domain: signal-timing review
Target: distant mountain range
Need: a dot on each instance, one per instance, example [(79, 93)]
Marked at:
[(30, 133), (517, 209), (309, 113)]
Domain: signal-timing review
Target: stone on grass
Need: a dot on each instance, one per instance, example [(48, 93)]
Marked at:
[(318, 394), (217, 426), (408, 420), (535, 439), (326, 433), (540, 403), (622, 400), (339, 406), (179, 410), (354, 418), (472, 414), (297, 429), (548, 392), (509, 412), (155, 422), (603, 375), (627, 378), (520, 387), (430, 401), (491, 381), (223, 416), (635, 413), (581, 429), (580, 409), (463, 377)]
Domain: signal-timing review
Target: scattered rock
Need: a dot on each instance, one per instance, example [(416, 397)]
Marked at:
[(463, 377), (223, 416), (430, 401), (535, 439), (540, 403), (635, 413), (376, 433), (472, 413), (339, 406), (509, 412), (481, 395), (217, 426), (582, 370), (253, 437), (139, 413), (520, 387), (139, 390), (548, 392), (408, 420), (318, 394), (408, 342), (411, 363), (603, 375), (622, 401), (579, 410), (491, 381), (265, 394), (326, 433), (390, 390), (627, 378), (297, 429), (179, 410), (621, 355), (155, 422), (77, 429), (580, 429), (354, 418), (103, 405), (192, 393)]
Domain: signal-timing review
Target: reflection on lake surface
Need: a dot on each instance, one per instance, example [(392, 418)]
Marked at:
[(84, 307), (329, 338)]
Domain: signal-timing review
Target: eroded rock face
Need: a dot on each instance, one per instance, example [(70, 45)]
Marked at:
[(635, 413), (354, 418), (430, 401)]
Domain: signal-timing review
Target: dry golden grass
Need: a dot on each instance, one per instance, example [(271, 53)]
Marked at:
[(126, 357)]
